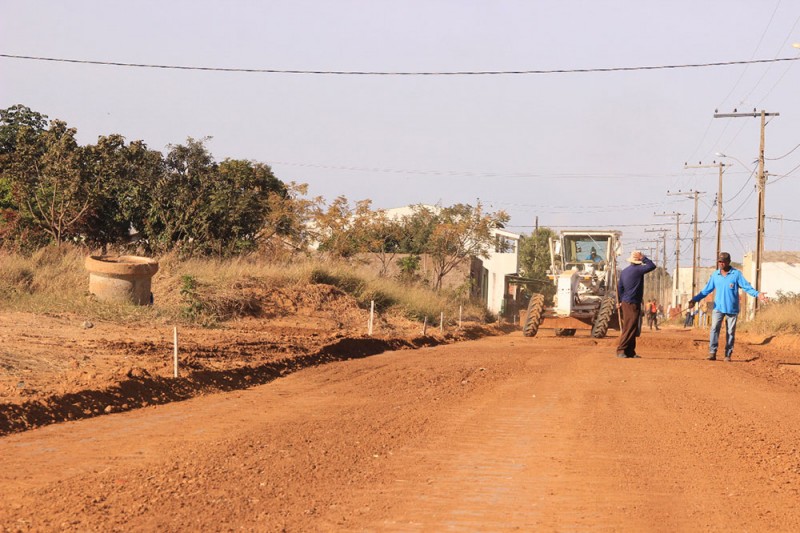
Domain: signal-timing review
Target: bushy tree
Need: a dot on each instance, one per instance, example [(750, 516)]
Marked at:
[(49, 181), (338, 226), (125, 173), (461, 231), (204, 207), (534, 260)]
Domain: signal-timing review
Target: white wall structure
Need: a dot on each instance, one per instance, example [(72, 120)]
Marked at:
[(780, 271), (503, 261)]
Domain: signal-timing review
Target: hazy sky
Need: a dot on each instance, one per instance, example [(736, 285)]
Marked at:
[(575, 149)]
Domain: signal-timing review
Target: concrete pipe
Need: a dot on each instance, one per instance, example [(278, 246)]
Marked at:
[(123, 278)]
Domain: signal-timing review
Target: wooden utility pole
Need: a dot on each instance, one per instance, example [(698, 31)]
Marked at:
[(762, 182), (721, 167), (677, 253), (695, 243)]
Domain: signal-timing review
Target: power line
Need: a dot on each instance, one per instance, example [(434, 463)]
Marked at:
[(398, 73)]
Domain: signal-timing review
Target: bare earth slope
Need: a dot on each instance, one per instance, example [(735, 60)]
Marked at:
[(503, 433)]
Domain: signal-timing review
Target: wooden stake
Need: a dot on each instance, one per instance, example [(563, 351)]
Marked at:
[(425, 326), (371, 317), (459, 317), (175, 352), (441, 322)]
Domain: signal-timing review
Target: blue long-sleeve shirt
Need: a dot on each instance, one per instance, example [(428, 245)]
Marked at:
[(631, 281), (726, 291)]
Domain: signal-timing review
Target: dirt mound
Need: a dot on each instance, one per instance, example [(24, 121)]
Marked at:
[(58, 368)]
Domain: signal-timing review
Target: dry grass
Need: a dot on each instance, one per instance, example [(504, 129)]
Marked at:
[(781, 315), (207, 291)]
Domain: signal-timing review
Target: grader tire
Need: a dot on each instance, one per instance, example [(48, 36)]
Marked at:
[(565, 332), (534, 316), (603, 319)]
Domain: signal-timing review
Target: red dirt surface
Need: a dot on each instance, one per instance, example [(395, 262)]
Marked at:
[(59, 368), (501, 433)]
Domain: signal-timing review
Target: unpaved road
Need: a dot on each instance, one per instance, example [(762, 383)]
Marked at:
[(503, 433)]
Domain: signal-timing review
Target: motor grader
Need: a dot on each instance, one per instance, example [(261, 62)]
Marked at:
[(583, 267)]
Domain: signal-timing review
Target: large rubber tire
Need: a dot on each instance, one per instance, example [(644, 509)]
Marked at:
[(533, 318), (603, 319), (565, 332)]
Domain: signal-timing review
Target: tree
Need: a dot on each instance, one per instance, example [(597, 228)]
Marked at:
[(124, 174), (15, 121), (461, 232), (287, 217), (338, 226), (534, 260), (49, 181), (382, 236)]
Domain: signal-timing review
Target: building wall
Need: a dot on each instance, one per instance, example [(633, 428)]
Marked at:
[(682, 292), (780, 271)]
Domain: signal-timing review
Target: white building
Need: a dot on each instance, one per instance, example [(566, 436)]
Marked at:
[(490, 275), (780, 272)]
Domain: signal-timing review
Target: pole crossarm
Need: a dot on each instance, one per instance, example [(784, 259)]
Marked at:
[(721, 167)]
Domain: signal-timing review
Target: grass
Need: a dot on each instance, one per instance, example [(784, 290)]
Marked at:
[(779, 315), (209, 291)]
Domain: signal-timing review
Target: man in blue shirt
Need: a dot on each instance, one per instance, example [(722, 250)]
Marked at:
[(725, 282), (630, 291)]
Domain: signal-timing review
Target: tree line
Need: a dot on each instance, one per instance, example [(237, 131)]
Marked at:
[(53, 190)]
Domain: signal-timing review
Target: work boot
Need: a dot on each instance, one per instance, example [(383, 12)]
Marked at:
[(712, 357), (727, 358)]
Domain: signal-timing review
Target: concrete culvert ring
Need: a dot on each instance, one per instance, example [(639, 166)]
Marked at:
[(123, 278)]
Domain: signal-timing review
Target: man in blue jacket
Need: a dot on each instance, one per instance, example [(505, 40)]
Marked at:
[(725, 282), (630, 291)]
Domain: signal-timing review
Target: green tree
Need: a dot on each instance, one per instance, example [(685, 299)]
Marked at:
[(534, 260), (49, 181), (16, 121), (239, 204), (124, 174), (203, 207)]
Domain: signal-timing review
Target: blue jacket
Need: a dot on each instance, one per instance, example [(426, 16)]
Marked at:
[(631, 281), (726, 291)]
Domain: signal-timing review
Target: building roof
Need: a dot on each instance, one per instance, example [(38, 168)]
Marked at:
[(781, 257)]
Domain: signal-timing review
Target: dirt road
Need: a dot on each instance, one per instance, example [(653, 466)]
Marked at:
[(504, 433)]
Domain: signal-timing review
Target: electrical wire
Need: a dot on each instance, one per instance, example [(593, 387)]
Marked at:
[(784, 155), (399, 73), (782, 176)]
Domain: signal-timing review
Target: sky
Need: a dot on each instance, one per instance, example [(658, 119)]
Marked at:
[(599, 150)]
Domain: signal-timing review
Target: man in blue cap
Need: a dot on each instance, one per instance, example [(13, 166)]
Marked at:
[(725, 282)]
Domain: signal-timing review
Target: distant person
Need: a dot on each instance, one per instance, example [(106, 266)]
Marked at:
[(725, 283), (652, 314), (630, 290), (688, 322)]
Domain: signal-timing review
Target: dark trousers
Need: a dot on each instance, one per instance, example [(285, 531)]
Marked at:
[(631, 314)]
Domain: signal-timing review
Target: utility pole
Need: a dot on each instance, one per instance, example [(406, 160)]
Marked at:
[(677, 253), (663, 236), (695, 243), (762, 182), (721, 166)]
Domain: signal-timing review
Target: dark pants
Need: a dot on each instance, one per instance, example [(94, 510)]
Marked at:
[(631, 314)]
